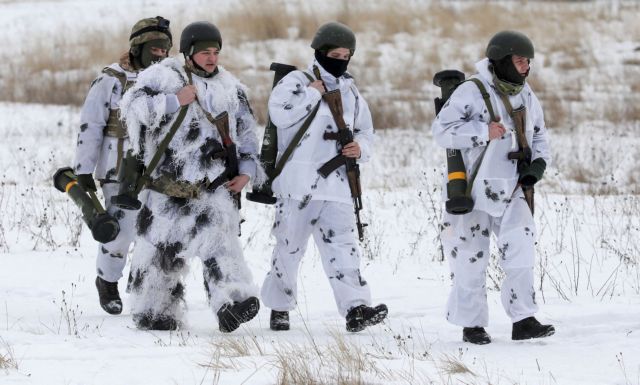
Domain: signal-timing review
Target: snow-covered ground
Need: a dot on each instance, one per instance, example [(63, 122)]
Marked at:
[(52, 330)]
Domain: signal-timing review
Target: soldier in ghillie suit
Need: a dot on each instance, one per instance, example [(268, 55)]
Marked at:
[(103, 140), (189, 210), (486, 131), (308, 203)]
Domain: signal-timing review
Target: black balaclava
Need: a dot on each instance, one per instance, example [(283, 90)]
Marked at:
[(335, 67), (505, 70)]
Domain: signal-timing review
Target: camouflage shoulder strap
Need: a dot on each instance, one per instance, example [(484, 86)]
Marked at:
[(297, 137), (121, 76)]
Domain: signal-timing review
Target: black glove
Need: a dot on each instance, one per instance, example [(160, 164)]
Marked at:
[(86, 182), (532, 173)]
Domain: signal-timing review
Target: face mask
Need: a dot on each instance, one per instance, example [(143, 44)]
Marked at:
[(335, 67), (146, 57)]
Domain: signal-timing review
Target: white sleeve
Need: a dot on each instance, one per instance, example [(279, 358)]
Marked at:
[(462, 122), (292, 100), (539, 144), (363, 132), (93, 119)]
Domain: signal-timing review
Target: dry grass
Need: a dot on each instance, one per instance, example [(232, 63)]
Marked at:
[(7, 358), (399, 50)]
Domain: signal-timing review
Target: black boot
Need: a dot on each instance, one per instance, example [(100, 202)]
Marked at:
[(476, 335), (279, 320), (147, 321), (230, 316), (109, 296), (530, 328), (362, 316)]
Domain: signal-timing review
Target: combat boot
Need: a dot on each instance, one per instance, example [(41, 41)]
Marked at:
[(279, 320), (230, 316), (476, 335), (148, 321), (362, 316), (109, 296), (530, 328)]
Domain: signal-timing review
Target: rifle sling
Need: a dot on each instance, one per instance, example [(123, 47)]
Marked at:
[(162, 147), (296, 139)]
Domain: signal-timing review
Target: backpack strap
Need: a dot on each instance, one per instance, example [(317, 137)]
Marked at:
[(485, 95), (297, 137), (121, 76), (487, 101)]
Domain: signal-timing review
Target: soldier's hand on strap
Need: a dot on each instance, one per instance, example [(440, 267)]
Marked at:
[(352, 150), (186, 95), (237, 184), (496, 130), (318, 85), (86, 182)]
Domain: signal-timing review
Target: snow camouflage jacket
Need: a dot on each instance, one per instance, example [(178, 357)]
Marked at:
[(463, 123), (290, 104), (151, 107), (94, 150)]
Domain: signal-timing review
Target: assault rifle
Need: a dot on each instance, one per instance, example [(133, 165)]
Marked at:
[(344, 136), (523, 155), (231, 157)]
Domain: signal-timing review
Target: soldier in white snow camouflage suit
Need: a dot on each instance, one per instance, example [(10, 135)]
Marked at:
[(191, 212), (309, 204), (499, 206), (103, 140)]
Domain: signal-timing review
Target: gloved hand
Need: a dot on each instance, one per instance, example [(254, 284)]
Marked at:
[(86, 182), (532, 173)]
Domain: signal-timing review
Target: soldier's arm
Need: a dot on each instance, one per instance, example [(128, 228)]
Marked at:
[(146, 105), (93, 119), (247, 138), (291, 100), (540, 144), (462, 122), (363, 131)]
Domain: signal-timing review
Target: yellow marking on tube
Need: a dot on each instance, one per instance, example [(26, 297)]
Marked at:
[(69, 185), (457, 175)]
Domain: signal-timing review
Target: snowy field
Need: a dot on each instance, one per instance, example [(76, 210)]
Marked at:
[(52, 330)]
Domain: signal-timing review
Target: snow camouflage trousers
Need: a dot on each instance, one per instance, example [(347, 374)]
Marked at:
[(112, 256), (332, 225), (170, 230), (466, 240)]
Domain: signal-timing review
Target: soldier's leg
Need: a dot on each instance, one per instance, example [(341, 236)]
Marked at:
[(112, 256), (516, 251), (465, 242), (292, 228), (335, 237), (214, 235), (158, 265)]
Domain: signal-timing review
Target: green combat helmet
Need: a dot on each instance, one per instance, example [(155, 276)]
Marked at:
[(334, 35), (147, 33), (507, 43)]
